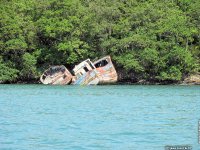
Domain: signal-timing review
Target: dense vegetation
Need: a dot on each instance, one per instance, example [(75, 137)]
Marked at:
[(153, 40)]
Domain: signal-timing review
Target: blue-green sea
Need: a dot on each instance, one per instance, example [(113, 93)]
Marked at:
[(117, 117)]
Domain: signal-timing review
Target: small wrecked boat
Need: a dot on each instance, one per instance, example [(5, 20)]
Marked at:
[(85, 73), (105, 70), (56, 75), (101, 71)]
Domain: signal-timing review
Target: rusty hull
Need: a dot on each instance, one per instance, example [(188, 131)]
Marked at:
[(85, 73), (106, 70), (89, 78), (56, 75), (101, 71)]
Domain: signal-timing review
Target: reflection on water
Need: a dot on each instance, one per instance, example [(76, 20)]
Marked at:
[(98, 117)]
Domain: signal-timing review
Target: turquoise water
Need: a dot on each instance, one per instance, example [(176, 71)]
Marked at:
[(118, 117)]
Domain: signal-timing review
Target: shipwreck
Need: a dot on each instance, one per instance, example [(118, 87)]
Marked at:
[(87, 72), (56, 75)]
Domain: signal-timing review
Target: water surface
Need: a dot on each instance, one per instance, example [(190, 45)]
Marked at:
[(117, 117)]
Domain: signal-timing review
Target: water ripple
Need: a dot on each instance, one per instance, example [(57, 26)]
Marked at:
[(98, 117)]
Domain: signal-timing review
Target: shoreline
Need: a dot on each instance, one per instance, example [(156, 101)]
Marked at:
[(117, 83), (190, 80)]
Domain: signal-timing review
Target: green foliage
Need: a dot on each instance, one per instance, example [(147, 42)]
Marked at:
[(29, 70), (15, 44), (129, 62), (182, 58), (150, 58), (154, 40), (7, 73), (172, 73), (60, 30)]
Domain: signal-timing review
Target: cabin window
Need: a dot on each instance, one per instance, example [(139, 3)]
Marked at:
[(62, 68), (102, 63), (86, 69), (43, 77), (90, 64)]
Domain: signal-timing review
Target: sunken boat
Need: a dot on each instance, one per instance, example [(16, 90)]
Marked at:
[(106, 70), (101, 71), (56, 75), (87, 72)]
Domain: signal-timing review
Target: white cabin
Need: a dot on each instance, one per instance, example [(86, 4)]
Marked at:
[(83, 67)]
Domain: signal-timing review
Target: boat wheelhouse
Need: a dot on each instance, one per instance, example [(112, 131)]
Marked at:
[(106, 70), (85, 73)]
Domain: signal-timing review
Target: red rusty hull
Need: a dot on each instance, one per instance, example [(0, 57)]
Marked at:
[(106, 73), (101, 71)]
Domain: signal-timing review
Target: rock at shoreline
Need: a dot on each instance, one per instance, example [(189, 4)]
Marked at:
[(192, 79)]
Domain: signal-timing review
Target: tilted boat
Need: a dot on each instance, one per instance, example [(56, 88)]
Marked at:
[(101, 71), (56, 75), (85, 73), (106, 70)]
